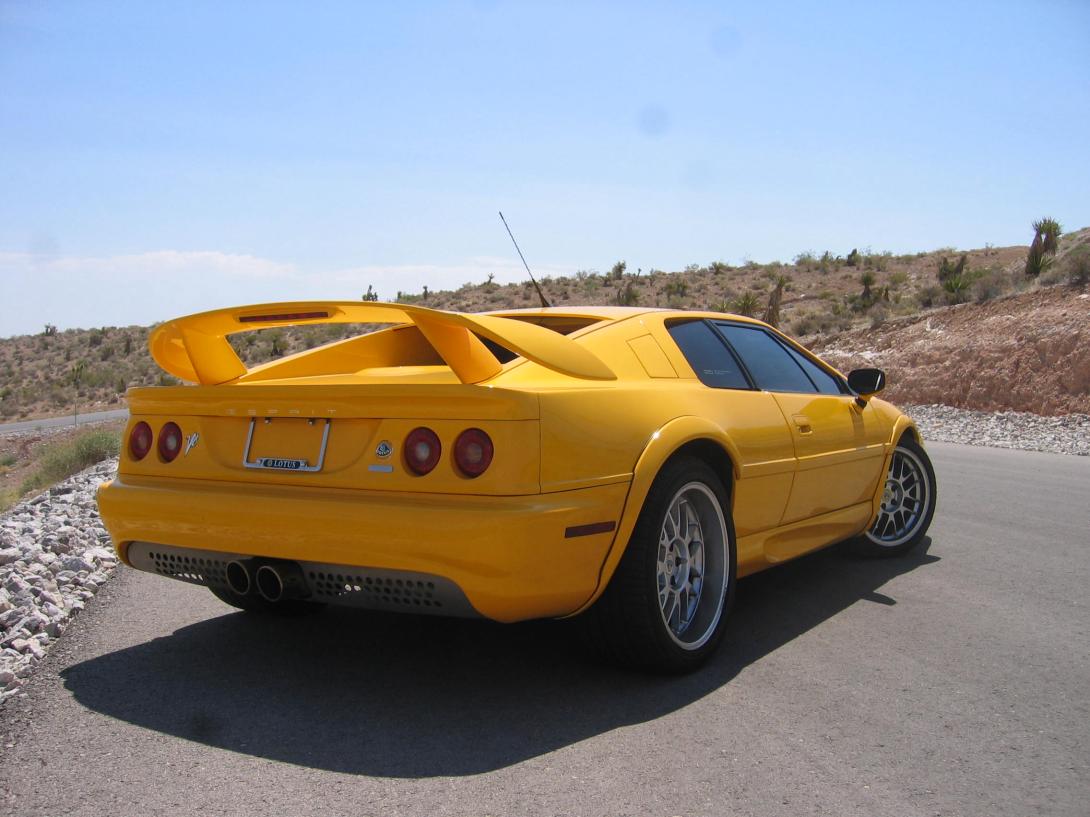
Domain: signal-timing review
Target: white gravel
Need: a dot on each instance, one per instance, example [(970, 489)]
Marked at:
[(1068, 434), (55, 553)]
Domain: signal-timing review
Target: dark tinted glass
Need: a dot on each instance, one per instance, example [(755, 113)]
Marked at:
[(825, 382), (710, 359), (766, 358)]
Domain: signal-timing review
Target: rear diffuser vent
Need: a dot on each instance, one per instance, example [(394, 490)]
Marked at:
[(375, 590)]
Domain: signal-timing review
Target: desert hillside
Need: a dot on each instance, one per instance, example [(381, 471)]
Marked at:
[(967, 328)]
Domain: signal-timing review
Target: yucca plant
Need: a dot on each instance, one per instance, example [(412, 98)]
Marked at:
[(1046, 240), (745, 305)]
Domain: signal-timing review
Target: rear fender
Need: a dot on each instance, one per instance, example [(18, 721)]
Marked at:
[(661, 446)]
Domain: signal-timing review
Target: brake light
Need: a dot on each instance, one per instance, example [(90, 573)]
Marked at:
[(140, 440), (422, 450), (473, 452), (170, 441)]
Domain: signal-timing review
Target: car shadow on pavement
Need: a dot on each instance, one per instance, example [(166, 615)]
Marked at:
[(402, 696)]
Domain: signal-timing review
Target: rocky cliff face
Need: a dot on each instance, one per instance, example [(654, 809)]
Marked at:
[(1027, 352)]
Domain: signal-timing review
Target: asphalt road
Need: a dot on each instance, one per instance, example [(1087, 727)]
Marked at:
[(952, 682), (53, 422)]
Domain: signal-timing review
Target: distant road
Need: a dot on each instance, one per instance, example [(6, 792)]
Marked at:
[(54, 422)]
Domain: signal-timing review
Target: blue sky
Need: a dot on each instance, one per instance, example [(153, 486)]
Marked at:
[(163, 158)]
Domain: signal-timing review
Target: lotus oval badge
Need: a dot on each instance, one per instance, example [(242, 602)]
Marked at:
[(384, 449)]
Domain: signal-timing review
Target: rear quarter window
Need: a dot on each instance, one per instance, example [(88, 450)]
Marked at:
[(710, 358)]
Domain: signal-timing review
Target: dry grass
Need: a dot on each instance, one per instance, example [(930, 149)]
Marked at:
[(31, 463)]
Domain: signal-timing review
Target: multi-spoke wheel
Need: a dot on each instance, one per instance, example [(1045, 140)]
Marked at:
[(665, 607), (908, 503)]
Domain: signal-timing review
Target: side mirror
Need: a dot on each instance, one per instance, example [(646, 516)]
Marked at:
[(866, 382)]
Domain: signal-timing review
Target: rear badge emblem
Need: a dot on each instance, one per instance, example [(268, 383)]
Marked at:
[(384, 449), (191, 443)]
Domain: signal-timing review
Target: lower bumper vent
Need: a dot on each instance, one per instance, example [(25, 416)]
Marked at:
[(372, 588)]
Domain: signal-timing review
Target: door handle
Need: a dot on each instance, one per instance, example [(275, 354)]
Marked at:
[(802, 422)]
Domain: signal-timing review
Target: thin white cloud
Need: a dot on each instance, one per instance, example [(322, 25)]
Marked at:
[(165, 262), (142, 288)]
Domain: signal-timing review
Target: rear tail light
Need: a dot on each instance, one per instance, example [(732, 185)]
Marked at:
[(473, 452), (170, 442), (140, 440), (422, 450)]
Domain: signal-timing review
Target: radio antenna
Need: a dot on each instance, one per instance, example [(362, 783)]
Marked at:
[(540, 294)]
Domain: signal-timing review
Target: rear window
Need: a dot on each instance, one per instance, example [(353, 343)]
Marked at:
[(708, 355)]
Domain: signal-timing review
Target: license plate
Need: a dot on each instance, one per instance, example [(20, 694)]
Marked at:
[(283, 465)]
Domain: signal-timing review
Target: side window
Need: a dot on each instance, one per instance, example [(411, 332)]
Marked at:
[(766, 359), (825, 382), (708, 355)]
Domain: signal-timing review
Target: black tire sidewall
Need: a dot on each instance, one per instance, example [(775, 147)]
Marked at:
[(863, 543), (641, 558)]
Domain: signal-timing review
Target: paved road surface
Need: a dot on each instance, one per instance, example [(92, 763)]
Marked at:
[(52, 422), (952, 682)]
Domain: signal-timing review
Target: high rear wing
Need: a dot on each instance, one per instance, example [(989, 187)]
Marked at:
[(195, 348)]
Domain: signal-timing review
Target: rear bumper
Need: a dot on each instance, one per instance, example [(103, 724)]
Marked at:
[(514, 558)]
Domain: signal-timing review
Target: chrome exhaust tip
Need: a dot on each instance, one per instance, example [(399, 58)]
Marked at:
[(280, 581), (238, 577)]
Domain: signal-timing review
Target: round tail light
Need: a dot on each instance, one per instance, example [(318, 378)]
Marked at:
[(140, 440), (473, 452), (170, 442), (422, 450)]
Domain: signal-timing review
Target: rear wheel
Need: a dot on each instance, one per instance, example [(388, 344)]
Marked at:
[(253, 603), (908, 503), (667, 602)]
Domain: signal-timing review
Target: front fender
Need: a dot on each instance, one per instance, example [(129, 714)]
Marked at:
[(901, 423), (662, 444)]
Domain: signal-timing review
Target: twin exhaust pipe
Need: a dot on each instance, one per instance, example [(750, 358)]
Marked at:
[(273, 581)]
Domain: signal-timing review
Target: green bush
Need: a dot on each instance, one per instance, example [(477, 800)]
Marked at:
[(61, 460)]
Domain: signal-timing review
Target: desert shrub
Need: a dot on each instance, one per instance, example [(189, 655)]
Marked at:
[(853, 258), (718, 267), (898, 279), (627, 294), (929, 296), (677, 288), (1076, 265), (828, 261), (616, 272), (806, 259), (988, 283)]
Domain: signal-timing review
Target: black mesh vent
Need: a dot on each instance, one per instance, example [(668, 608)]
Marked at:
[(377, 590), (197, 570)]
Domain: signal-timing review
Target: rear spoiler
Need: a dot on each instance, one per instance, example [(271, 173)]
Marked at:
[(195, 348)]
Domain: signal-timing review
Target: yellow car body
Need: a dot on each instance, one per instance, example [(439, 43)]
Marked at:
[(584, 407)]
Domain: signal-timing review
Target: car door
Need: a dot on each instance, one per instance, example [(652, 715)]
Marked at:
[(752, 420), (839, 445)]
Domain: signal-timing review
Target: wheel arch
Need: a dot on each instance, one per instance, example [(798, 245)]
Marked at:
[(904, 426), (683, 436)]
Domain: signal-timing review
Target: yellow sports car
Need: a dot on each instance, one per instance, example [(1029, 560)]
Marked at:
[(625, 465)]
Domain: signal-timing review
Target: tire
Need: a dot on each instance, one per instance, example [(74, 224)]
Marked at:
[(908, 504), (647, 617), (253, 603)]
